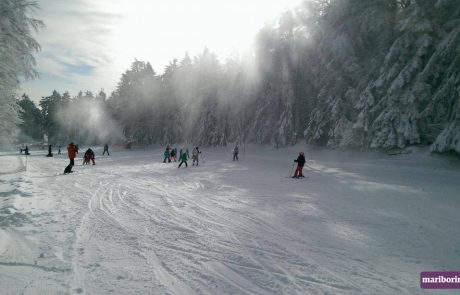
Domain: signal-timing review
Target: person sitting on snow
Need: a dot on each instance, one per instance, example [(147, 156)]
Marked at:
[(89, 156), (300, 162)]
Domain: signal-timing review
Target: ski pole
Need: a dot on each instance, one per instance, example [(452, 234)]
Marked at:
[(292, 169)]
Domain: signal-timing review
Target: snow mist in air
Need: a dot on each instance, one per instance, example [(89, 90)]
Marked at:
[(88, 122)]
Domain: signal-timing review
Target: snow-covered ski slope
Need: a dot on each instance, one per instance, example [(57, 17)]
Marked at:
[(359, 224)]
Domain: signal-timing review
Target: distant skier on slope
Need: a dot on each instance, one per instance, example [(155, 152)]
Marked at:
[(235, 153), (71, 152), (173, 155), (167, 155), (195, 154), (300, 163), (89, 156), (183, 160), (50, 152), (106, 149)]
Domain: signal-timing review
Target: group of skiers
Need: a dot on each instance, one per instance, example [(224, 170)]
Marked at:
[(88, 157), (25, 150), (170, 155)]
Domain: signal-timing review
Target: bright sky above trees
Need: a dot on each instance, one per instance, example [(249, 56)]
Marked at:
[(87, 44)]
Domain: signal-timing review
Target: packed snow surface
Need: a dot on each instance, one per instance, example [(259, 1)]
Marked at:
[(359, 223)]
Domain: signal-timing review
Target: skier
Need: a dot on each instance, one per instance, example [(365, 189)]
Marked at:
[(183, 160), (106, 149), (71, 152), (26, 150), (50, 154), (235, 153), (167, 155), (173, 155), (300, 162), (195, 154), (89, 156)]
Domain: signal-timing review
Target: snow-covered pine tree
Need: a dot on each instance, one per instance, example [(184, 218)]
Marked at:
[(354, 35), (17, 47), (388, 106), (31, 121)]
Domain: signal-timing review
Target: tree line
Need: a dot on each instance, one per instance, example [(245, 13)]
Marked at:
[(372, 74)]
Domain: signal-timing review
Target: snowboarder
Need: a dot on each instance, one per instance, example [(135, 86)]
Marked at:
[(183, 160), (89, 156), (235, 153), (300, 162), (195, 154), (167, 155), (71, 152), (173, 155), (106, 149)]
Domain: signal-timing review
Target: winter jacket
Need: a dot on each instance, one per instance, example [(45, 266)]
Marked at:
[(195, 152), (71, 151), (166, 153), (235, 150), (89, 153), (183, 158), (300, 160)]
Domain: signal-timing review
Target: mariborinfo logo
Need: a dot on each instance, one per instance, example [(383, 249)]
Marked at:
[(440, 279)]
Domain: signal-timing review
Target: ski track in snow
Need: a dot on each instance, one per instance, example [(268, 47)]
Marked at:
[(132, 225)]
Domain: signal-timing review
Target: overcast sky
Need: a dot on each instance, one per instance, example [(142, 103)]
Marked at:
[(88, 44)]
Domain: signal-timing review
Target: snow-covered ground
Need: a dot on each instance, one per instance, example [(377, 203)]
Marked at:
[(359, 224)]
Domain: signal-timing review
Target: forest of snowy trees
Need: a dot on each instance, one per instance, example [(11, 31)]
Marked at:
[(16, 59), (338, 73)]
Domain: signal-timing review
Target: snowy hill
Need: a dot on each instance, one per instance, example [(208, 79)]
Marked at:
[(358, 224)]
